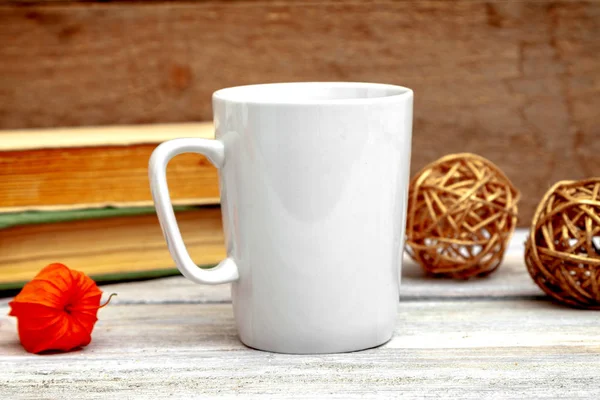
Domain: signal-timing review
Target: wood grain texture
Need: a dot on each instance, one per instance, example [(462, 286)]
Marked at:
[(496, 349), (169, 337), (517, 82)]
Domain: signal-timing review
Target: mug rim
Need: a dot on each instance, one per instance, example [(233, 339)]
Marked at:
[(235, 94)]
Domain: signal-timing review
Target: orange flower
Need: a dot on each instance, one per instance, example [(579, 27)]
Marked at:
[(56, 310)]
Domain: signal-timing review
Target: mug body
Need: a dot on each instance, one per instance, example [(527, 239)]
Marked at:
[(313, 194)]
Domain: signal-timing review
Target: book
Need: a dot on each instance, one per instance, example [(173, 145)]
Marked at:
[(108, 244), (98, 167)]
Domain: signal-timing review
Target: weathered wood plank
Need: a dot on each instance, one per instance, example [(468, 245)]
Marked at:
[(493, 349), (517, 82)]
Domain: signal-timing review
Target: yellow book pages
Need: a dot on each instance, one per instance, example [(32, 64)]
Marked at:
[(107, 248), (94, 136), (74, 168)]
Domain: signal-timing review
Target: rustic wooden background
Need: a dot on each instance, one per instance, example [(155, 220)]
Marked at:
[(515, 81)]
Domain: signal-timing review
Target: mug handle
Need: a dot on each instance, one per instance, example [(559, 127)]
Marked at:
[(226, 271)]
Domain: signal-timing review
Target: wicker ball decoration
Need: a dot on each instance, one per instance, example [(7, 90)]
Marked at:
[(462, 211), (562, 251)]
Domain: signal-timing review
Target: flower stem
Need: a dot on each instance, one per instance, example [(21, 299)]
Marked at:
[(108, 301)]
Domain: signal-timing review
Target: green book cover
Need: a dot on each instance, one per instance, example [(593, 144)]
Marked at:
[(10, 220), (47, 217)]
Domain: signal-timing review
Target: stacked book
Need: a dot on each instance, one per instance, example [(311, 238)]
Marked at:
[(81, 196)]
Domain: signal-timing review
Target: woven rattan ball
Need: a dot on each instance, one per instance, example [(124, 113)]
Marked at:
[(462, 211), (562, 252)]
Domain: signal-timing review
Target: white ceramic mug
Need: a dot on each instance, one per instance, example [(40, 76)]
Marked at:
[(314, 180)]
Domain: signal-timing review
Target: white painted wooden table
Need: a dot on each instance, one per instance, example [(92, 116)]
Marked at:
[(498, 337)]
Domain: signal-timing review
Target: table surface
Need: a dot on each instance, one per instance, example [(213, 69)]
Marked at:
[(497, 337)]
